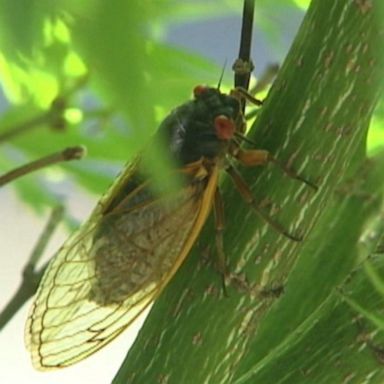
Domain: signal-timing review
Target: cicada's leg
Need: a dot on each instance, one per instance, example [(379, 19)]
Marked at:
[(246, 193), (252, 157), (291, 173), (244, 94), (229, 278), (255, 157), (219, 225)]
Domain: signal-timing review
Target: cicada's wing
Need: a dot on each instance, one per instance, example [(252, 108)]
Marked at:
[(108, 272)]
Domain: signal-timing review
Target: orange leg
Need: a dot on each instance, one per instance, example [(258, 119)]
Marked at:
[(219, 220), (242, 93), (228, 277), (246, 193), (291, 173), (253, 157)]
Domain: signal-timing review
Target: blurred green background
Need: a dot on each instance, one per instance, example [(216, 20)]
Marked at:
[(116, 69)]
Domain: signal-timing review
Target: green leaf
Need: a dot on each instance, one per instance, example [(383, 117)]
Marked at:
[(315, 119)]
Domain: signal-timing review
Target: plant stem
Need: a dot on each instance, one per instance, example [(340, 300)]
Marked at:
[(25, 126), (243, 66), (70, 153), (31, 277)]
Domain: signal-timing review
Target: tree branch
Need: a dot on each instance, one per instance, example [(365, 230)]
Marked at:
[(70, 153), (31, 277), (243, 66)]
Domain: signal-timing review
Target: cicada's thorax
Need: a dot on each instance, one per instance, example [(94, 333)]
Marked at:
[(203, 127)]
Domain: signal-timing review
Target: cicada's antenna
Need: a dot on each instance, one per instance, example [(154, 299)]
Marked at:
[(222, 75)]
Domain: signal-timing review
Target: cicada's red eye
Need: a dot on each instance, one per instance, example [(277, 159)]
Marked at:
[(225, 127), (199, 89)]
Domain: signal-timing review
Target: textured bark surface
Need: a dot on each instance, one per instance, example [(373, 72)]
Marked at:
[(283, 320)]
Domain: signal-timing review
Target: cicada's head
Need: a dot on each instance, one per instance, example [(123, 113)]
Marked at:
[(225, 115), (205, 126)]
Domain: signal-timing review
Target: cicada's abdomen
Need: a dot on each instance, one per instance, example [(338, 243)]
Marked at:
[(139, 241)]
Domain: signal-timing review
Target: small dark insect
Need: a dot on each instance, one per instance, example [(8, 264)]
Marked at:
[(122, 257)]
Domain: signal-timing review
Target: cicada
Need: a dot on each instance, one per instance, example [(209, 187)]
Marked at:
[(123, 256)]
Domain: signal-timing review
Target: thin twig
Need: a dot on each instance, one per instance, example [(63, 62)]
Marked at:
[(55, 218), (54, 116), (70, 153), (31, 277), (243, 66), (25, 126)]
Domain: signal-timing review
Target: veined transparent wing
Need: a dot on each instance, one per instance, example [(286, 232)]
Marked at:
[(109, 271)]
